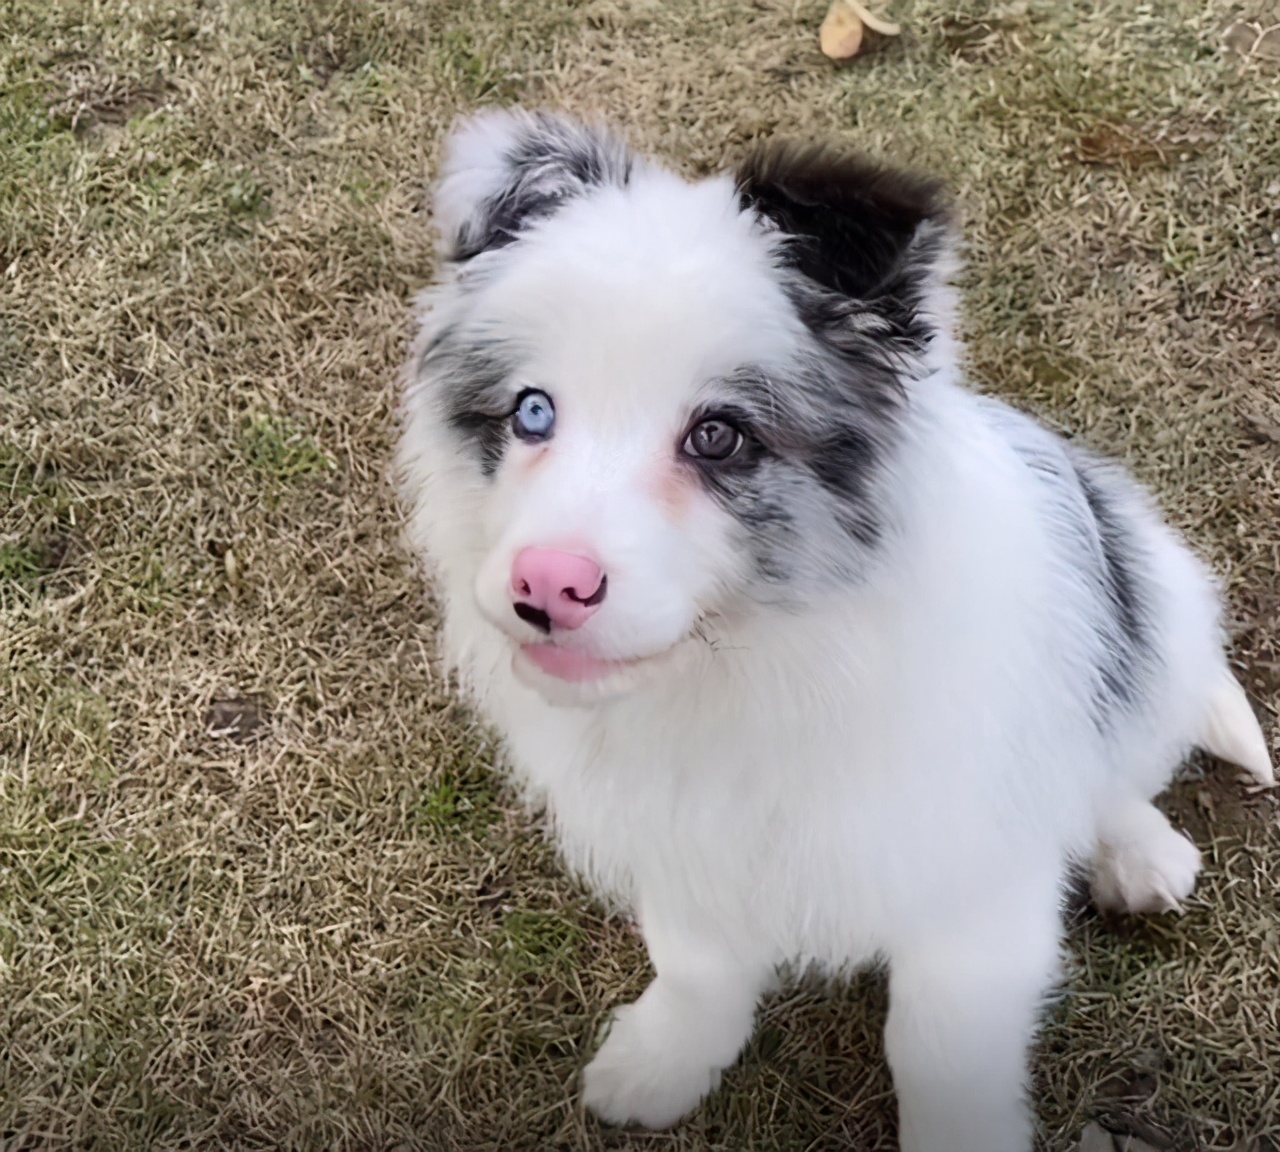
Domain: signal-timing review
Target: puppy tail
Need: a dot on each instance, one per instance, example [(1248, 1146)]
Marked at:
[(1232, 733)]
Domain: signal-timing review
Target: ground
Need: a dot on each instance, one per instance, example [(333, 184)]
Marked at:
[(260, 883)]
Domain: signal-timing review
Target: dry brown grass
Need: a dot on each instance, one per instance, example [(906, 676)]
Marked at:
[(259, 886)]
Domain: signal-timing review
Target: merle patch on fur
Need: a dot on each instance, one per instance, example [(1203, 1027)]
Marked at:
[(551, 161), (1123, 586), (814, 444), (477, 397), (1094, 533)]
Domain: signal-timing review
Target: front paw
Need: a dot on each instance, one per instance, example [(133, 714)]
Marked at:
[(1152, 874), (644, 1074)]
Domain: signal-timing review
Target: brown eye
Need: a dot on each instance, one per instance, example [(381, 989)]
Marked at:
[(713, 439)]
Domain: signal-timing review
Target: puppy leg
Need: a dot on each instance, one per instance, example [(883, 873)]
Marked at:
[(962, 1016), (666, 1051), (1142, 864)]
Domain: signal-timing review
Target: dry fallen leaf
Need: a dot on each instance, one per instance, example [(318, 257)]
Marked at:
[(841, 33), (874, 22)]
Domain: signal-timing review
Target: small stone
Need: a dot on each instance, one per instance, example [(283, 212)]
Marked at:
[(1095, 1138)]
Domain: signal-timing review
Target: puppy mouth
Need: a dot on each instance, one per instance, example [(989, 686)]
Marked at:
[(572, 677), (576, 666)]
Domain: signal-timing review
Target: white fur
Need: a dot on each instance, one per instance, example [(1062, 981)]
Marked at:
[(1231, 733), (897, 769)]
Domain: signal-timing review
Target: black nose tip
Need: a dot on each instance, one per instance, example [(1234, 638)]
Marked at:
[(531, 615)]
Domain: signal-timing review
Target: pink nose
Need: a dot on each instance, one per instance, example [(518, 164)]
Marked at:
[(553, 587)]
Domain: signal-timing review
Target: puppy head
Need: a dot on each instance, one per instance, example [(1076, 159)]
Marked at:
[(640, 407)]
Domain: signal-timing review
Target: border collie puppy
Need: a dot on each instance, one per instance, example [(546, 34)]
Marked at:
[(812, 655)]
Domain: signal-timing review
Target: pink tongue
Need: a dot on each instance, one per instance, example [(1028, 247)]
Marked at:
[(567, 663)]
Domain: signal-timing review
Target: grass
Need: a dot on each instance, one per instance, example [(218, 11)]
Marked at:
[(279, 451), (19, 564), (260, 885)]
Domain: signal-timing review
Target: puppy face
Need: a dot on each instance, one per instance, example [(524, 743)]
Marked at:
[(643, 406)]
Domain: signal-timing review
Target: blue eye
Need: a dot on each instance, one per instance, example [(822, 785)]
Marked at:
[(534, 416)]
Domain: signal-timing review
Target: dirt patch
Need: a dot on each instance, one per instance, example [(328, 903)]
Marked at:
[(237, 719), (1130, 145)]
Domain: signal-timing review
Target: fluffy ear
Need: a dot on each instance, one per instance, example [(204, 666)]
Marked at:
[(862, 231), (505, 168)]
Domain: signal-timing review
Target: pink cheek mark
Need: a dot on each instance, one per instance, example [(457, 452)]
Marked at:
[(674, 489), (529, 462)]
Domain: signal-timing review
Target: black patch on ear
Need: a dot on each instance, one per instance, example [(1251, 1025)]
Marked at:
[(551, 160), (853, 221), (857, 231)]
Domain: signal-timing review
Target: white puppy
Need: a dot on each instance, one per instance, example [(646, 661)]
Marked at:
[(813, 656)]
